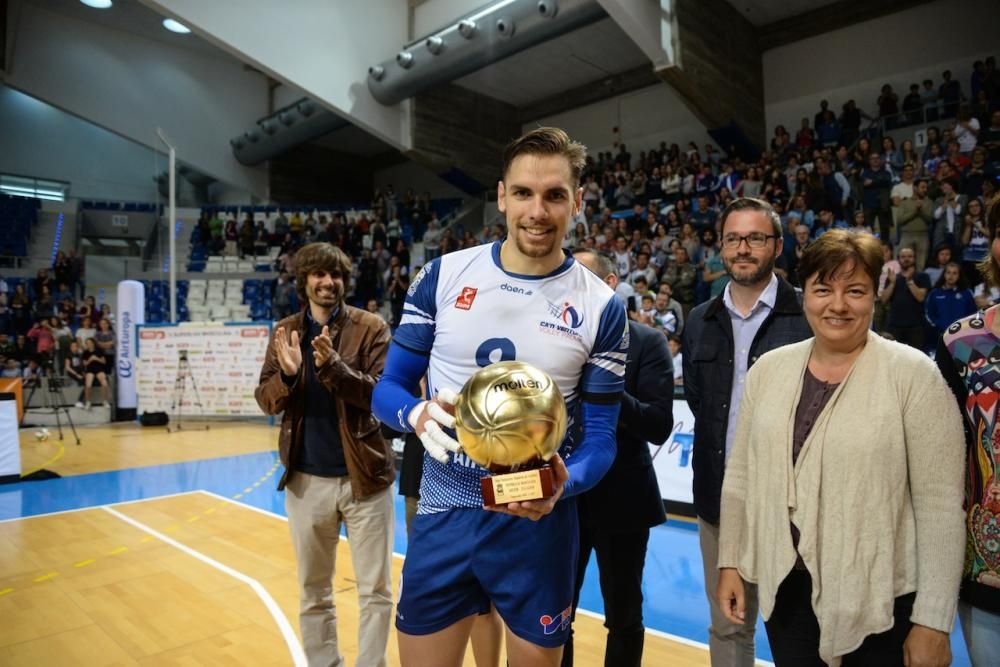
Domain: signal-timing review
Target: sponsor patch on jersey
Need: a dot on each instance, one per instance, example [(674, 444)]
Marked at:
[(465, 299)]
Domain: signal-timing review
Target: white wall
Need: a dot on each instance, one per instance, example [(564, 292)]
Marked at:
[(323, 47), (132, 85), (44, 142), (899, 49), (432, 15), (644, 117), (408, 175)]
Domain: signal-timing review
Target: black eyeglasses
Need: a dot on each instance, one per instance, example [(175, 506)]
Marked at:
[(754, 240)]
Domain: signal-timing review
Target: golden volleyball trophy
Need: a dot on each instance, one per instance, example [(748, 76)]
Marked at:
[(510, 418)]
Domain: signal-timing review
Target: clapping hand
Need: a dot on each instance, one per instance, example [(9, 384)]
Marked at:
[(288, 350), (323, 347)]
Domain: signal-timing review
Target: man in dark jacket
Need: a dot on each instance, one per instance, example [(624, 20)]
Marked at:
[(320, 369), (616, 515), (723, 338)]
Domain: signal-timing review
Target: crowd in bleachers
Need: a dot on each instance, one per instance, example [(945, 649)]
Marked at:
[(46, 329), (656, 212)]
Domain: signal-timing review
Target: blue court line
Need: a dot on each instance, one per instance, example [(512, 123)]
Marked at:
[(673, 581)]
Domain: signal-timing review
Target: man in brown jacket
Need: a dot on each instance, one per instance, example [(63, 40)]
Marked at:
[(320, 369)]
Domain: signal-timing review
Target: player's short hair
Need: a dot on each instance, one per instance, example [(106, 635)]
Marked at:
[(605, 265), (751, 204), (839, 250), (548, 141), (989, 266), (319, 257)]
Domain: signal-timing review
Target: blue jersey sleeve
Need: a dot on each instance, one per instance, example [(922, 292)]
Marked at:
[(398, 389), (416, 327), (604, 375), (591, 460)]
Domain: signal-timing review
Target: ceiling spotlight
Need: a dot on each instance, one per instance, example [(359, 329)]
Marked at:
[(269, 125), (237, 143), (287, 118), (97, 4), (548, 8), (376, 72), (505, 27), (176, 26)]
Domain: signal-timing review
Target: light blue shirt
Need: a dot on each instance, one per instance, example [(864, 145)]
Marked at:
[(744, 331)]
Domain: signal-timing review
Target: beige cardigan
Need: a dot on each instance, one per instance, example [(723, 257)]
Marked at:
[(876, 493)]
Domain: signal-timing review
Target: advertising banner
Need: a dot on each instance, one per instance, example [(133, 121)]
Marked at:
[(214, 364), (131, 312)]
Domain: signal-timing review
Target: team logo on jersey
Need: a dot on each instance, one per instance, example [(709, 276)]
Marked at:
[(465, 299), (570, 316), (553, 624)]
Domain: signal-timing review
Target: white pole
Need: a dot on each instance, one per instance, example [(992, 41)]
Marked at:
[(172, 224)]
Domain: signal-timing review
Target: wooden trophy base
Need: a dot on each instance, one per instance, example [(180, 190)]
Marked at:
[(534, 484)]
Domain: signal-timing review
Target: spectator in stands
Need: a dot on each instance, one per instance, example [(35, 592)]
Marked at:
[(828, 131), (281, 299), (950, 300), (914, 219), (975, 240), (95, 367), (261, 239), (783, 520), (11, 369), (42, 340), (930, 101), (85, 331), (62, 293), (877, 182), (966, 129), (905, 293), (63, 336), (913, 105), (62, 269), (682, 276), (217, 241), (950, 94), (398, 284), (232, 235), (32, 374), (805, 137), (105, 340), (246, 237), (5, 326), (88, 309), (949, 210), (73, 367), (432, 240), (43, 306), (940, 258), (20, 310), (888, 106)]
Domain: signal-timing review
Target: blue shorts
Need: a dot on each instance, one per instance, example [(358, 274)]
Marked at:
[(461, 560)]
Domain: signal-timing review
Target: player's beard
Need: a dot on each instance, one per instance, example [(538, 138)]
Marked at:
[(535, 249), (328, 297), (764, 269)]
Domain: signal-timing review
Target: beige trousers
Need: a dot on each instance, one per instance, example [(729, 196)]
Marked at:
[(728, 644), (316, 506)]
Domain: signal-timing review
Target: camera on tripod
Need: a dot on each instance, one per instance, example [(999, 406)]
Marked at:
[(182, 355)]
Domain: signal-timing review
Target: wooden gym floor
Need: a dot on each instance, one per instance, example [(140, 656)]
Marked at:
[(133, 559)]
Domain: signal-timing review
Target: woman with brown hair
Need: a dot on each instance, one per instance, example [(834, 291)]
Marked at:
[(842, 498)]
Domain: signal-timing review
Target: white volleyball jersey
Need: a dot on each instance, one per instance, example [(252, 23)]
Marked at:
[(466, 312)]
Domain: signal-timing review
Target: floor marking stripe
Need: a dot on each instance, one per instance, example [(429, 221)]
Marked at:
[(298, 656), (97, 506), (85, 563), (115, 552), (5, 591), (46, 577)]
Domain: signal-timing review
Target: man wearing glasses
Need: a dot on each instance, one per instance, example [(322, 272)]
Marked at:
[(723, 338)]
